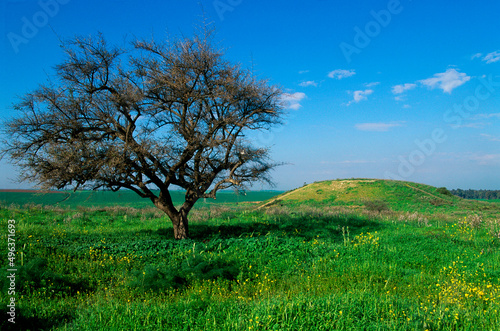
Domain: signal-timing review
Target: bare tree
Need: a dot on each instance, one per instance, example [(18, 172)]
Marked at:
[(149, 117)]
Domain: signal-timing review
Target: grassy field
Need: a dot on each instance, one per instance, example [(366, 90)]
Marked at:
[(125, 198), (335, 255)]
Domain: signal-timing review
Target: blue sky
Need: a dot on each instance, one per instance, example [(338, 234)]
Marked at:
[(405, 89)]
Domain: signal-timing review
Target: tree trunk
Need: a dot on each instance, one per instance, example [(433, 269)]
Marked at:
[(179, 218), (180, 223)]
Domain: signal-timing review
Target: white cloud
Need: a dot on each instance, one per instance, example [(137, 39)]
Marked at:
[(372, 84), (490, 137), (308, 83), (473, 125), (480, 121), (378, 127), (447, 80), (480, 158), (360, 95), (398, 89), (483, 116), (303, 72), (477, 55), (341, 73), (487, 159), (292, 101), (348, 162), (492, 57)]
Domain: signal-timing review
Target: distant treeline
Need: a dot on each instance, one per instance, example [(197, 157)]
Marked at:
[(477, 194)]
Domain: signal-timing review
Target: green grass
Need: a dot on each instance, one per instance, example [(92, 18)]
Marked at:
[(123, 198), (292, 265), (492, 200)]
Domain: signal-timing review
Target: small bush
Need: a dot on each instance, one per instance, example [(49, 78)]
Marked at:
[(376, 205), (444, 191)]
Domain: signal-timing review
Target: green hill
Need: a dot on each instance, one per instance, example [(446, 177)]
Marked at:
[(380, 195)]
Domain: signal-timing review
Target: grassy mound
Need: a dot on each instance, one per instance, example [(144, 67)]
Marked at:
[(381, 195)]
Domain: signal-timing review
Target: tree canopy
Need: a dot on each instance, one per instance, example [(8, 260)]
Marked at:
[(147, 117)]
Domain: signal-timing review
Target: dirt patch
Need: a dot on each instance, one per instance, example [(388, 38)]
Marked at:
[(281, 197), (342, 184)]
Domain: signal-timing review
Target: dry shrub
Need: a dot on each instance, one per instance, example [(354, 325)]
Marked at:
[(472, 221), (494, 226), (277, 211), (308, 211), (376, 205), (215, 211), (414, 218)]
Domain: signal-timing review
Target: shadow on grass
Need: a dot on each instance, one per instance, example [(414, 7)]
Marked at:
[(22, 322), (306, 227)]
